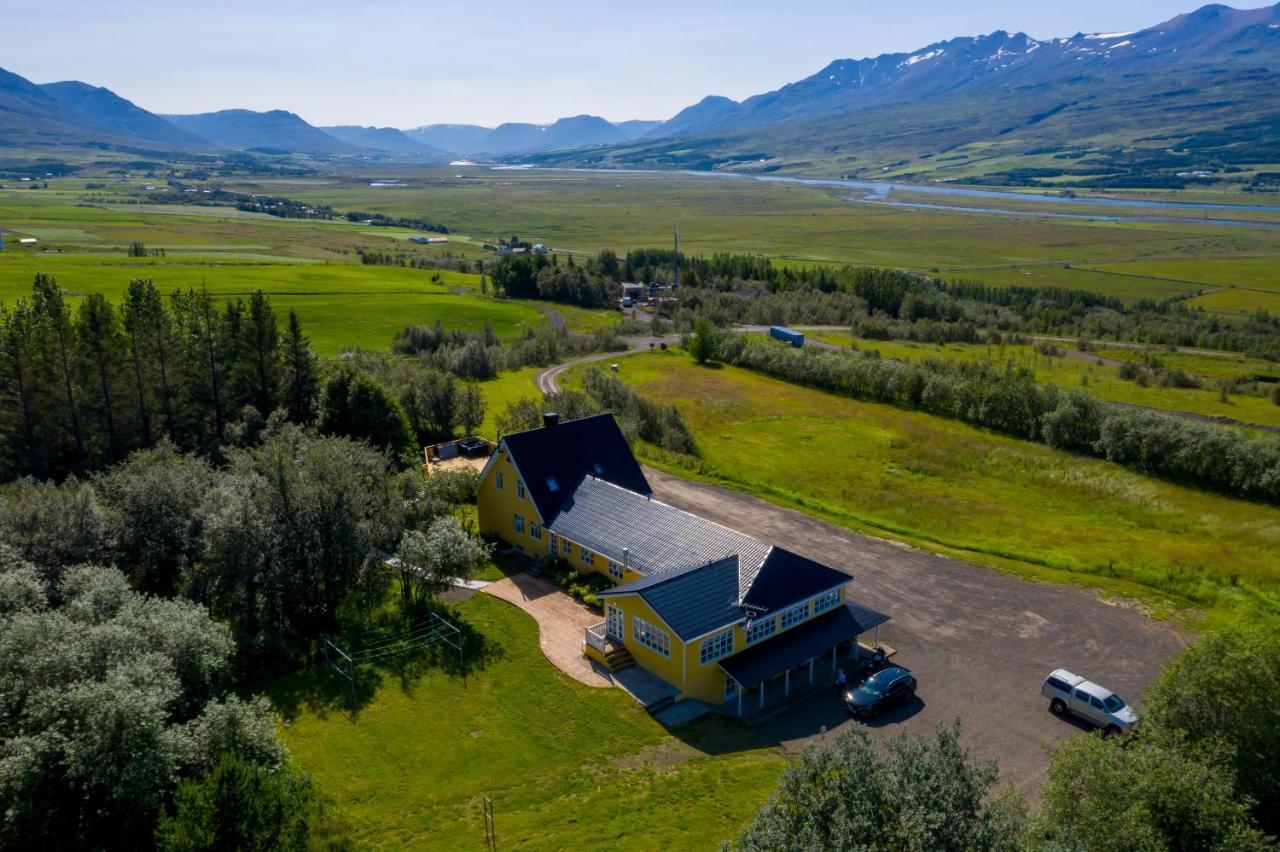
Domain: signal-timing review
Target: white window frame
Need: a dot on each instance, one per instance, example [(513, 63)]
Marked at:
[(650, 636), (519, 489), (757, 632), (588, 558), (517, 521), (616, 571), (566, 547), (730, 687), (825, 602), (793, 615), (497, 479), (716, 647), (535, 531)]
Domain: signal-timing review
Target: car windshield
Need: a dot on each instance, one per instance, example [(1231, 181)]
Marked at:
[(1113, 702), (872, 687)]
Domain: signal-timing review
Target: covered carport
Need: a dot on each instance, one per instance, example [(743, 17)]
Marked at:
[(807, 646)]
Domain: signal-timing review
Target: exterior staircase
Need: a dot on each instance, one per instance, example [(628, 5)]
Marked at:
[(618, 658)]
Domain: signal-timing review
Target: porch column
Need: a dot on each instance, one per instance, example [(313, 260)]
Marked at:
[(739, 691), (877, 636), (833, 658), (811, 671), (787, 680), (762, 685)]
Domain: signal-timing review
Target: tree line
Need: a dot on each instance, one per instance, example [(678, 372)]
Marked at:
[(1199, 454), (83, 388), (119, 722)]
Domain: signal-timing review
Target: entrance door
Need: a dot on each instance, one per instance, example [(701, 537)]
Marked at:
[(614, 621)]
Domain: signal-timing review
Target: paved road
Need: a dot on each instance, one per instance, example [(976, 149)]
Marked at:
[(549, 379), (979, 641)]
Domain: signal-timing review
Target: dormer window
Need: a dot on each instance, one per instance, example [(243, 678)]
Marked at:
[(598, 469), (552, 484)]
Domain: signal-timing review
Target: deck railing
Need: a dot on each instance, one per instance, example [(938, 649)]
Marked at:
[(596, 637)]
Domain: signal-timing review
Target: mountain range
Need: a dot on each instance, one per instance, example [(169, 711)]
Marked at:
[(1212, 68)]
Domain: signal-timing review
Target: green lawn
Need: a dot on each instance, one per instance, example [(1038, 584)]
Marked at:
[(1083, 371), (567, 766), (966, 492)]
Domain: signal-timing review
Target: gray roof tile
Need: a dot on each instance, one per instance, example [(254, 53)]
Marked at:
[(657, 538)]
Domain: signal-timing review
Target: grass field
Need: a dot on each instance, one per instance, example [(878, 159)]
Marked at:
[(588, 212), (567, 766), (966, 492), (1091, 373)]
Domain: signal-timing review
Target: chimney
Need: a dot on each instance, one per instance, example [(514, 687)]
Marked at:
[(549, 419)]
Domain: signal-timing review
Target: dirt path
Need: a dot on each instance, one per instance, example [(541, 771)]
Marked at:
[(979, 641)]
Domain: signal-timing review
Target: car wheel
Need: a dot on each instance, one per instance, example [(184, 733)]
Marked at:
[(1057, 707)]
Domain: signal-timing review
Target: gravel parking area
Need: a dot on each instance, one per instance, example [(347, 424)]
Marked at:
[(980, 642)]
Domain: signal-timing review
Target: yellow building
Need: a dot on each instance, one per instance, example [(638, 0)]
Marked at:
[(720, 616)]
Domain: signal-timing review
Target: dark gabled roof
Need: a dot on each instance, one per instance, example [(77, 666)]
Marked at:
[(693, 601), (787, 577), (570, 451), (800, 644), (658, 538)]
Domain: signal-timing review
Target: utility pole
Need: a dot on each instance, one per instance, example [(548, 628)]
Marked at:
[(675, 262)]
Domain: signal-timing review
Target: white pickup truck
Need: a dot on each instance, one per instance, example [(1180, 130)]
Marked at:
[(1070, 693)]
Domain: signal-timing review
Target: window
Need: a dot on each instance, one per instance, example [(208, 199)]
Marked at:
[(796, 614), (598, 469), (588, 558), (497, 480), (1054, 683), (552, 484), (519, 523), (716, 647), (535, 531), (762, 629), (825, 602), (654, 638), (615, 570), (566, 546), (730, 687), (520, 489)]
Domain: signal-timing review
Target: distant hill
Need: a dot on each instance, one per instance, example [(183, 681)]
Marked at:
[(521, 138), (1214, 33), (454, 138), (74, 113), (102, 109), (388, 140), (1197, 92), (636, 128), (576, 132), (274, 130)]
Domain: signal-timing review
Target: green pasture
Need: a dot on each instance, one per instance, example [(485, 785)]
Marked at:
[(588, 212), (567, 766), (341, 305), (962, 491), (1237, 301), (1098, 374)]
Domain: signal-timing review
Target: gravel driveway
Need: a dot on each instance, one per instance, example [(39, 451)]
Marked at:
[(980, 642)]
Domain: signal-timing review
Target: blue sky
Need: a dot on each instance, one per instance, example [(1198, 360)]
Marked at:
[(402, 63)]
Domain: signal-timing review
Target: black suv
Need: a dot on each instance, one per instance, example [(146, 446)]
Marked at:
[(883, 689)]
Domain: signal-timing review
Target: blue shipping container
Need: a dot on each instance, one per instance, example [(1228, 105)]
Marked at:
[(786, 335)]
